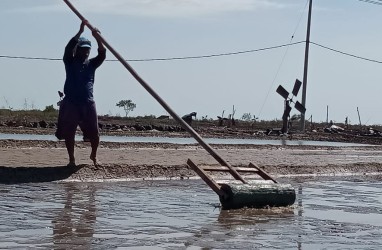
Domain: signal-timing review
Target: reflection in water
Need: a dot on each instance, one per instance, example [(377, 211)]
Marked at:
[(244, 226), (300, 218), (242, 217), (179, 215), (185, 140), (74, 225), (253, 228)]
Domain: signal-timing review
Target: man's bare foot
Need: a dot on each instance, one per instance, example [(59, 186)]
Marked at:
[(71, 164), (95, 161)]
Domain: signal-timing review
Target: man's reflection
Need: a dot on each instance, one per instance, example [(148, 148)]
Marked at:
[(74, 224)]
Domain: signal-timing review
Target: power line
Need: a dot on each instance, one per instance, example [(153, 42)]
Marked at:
[(299, 21), (376, 2), (30, 58), (206, 56), (168, 58), (215, 55), (345, 53)]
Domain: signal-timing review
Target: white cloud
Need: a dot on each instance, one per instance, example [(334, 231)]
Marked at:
[(161, 8)]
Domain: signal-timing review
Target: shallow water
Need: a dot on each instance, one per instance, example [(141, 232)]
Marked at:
[(332, 214), (188, 140)]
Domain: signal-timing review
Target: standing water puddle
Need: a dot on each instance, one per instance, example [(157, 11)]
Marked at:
[(184, 140), (331, 214)]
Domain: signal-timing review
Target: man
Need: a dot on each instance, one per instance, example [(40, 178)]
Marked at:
[(78, 106)]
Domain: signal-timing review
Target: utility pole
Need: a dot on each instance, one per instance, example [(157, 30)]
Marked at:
[(327, 114), (305, 80)]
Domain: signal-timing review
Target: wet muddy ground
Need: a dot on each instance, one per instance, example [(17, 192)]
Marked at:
[(46, 205), (329, 213)]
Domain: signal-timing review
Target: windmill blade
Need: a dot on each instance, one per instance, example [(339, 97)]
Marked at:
[(296, 88), (282, 92), (300, 107)]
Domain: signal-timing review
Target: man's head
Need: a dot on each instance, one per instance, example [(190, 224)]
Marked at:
[(84, 42), (83, 48)]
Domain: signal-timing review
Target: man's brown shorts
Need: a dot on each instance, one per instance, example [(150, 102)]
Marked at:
[(72, 115)]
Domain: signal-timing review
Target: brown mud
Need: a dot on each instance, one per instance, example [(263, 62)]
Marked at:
[(40, 161), (36, 161)]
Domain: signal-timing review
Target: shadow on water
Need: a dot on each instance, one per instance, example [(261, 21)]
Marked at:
[(73, 226), (17, 175)]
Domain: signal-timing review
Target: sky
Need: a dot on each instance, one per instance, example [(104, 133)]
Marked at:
[(244, 82)]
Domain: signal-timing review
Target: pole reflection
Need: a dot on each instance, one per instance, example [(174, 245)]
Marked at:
[(300, 217)]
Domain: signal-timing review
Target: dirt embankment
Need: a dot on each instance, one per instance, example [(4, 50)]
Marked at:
[(36, 161), (39, 122)]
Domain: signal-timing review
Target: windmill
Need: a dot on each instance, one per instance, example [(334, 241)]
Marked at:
[(288, 100)]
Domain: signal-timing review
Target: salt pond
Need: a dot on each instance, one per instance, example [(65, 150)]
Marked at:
[(184, 140), (329, 213)]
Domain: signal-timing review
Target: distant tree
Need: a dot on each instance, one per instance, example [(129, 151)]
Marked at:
[(49, 108), (127, 105)]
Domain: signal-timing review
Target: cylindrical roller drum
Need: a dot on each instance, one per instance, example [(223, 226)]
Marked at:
[(257, 195)]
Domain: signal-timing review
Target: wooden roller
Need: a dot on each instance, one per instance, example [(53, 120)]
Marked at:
[(257, 195)]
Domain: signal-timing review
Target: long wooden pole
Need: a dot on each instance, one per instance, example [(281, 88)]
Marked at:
[(196, 136), (305, 80)]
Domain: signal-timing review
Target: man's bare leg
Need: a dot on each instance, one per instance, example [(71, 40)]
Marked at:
[(69, 143), (94, 142)]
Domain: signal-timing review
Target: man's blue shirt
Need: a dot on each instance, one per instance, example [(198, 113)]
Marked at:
[(80, 75)]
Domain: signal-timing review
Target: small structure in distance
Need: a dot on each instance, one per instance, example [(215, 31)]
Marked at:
[(287, 103)]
